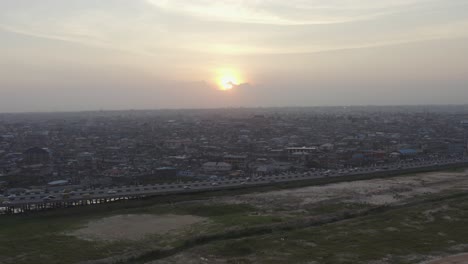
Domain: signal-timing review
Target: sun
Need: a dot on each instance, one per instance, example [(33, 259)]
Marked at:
[(228, 79), (228, 82)]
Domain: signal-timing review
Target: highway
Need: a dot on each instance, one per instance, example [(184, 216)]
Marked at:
[(128, 192)]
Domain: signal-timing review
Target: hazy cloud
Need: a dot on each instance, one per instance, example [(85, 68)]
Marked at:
[(289, 52), (278, 12)]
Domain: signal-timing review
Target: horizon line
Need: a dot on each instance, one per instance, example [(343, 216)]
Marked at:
[(232, 108)]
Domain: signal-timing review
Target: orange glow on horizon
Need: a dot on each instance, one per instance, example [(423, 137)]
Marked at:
[(227, 79)]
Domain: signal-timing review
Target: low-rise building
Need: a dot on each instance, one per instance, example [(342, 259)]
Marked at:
[(217, 167)]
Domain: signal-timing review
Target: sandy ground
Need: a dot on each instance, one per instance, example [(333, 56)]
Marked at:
[(134, 227), (457, 259), (372, 192)]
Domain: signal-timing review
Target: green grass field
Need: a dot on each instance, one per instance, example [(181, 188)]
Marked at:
[(405, 235), (42, 237), (433, 224)]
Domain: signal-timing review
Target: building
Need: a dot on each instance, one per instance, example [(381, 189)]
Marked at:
[(86, 160), (236, 160), (36, 155), (58, 183), (177, 143), (216, 167), (455, 148), (404, 153), (300, 150), (408, 152), (327, 147), (166, 172)]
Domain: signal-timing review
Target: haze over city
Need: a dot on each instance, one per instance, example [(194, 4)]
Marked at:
[(233, 131), (150, 54)]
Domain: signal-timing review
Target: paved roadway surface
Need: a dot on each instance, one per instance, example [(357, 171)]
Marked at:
[(220, 184)]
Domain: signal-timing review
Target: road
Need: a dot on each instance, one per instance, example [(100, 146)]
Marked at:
[(128, 192)]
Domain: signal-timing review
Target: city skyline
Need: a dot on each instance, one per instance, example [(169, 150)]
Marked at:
[(152, 54)]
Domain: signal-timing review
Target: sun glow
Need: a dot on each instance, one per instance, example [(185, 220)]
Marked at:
[(228, 79)]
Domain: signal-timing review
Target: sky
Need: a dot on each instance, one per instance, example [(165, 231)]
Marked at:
[(78, 55)]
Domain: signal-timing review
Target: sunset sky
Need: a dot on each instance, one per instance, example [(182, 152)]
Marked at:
[(58, 55)]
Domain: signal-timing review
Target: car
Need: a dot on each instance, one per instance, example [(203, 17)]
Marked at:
[(111, 192), (186, 187), (11, 196), (214, 184)]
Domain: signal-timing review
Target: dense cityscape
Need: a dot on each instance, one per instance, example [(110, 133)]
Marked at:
[(234, 132), (114, 148)]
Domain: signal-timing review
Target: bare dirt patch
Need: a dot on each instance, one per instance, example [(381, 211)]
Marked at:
[(134, 227), (384, 191), (457, 259)]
